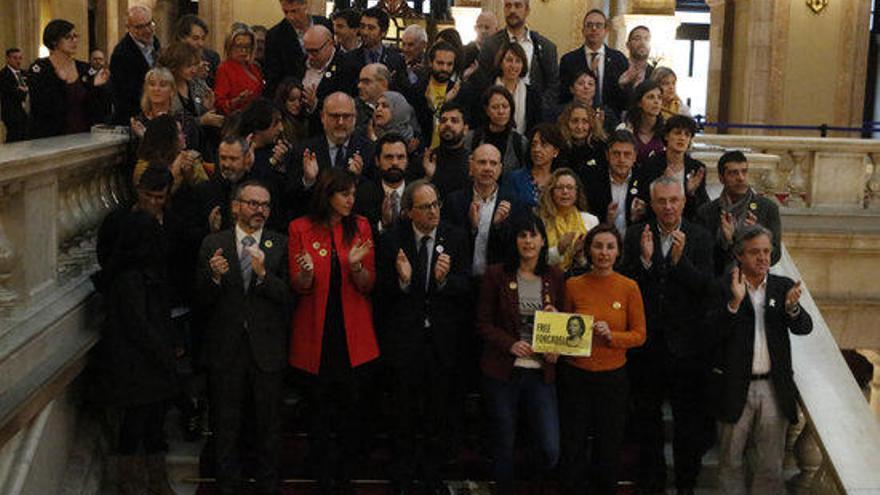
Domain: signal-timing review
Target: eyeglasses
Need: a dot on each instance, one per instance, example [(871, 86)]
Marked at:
[(147, 25), (429, 206), (254, 204), (594, 25), (340, 116), (312, 51)]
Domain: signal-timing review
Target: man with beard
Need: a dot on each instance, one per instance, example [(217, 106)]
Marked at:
[(435, 89), (447, 165), (379, 200), (374, 27), (212, 212), (738, 206), (540, 52), (243, 289), (605, 62), (638, 43)]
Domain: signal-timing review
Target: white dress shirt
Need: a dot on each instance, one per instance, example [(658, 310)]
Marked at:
[(481, 243), (527, 45), (601, 61), (761, 355)]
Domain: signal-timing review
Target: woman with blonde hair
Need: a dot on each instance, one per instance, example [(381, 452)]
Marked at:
[(585, 151), (239, 81), (563, 208), (158, 99), (672, 104)]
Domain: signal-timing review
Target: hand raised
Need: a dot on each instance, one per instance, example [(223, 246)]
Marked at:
[(792, 297), (737, 287), (612, 213), (258, 260), (404, 268), (310, 166), (429, 163), (679, 239), (647, 244), (356, 163), (359, 250), (728, 226), (441, 268), (637, 209), (501, 212), (218, 265), (694, 180), (215, 220)]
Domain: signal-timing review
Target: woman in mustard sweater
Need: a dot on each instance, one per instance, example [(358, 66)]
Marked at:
[(593, 391)]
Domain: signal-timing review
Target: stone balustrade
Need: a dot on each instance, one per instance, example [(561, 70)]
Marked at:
[(820, 173)]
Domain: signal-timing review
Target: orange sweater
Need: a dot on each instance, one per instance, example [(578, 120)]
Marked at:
[(616, 300)]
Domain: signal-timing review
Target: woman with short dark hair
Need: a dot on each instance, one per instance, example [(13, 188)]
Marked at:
[(498, 128), (645, 121), (511, 68), (65, 98), (514, 375), (526, 184)]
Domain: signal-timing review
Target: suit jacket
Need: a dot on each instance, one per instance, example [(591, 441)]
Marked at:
[(127, 70), (709, 216), (654, 168), (735, 349), (673, 294), (258, 316), (11, 99), (456, 210), (543, 69), (308, 321), (498, 318), (615, 64), (355, 60), (405, 311), (368, 203), (285, 56), (331, 82), (599, 192)]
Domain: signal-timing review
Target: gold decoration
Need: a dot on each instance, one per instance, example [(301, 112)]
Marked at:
[(267, 243), (615, 305), (512, 286), (323, 252), (817, 6)]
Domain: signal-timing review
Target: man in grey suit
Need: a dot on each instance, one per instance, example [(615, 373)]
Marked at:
[(738, 206), (752, 376), (541, 52), (243, 288)]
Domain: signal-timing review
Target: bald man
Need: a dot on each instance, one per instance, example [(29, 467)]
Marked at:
[(338, 146), (285, 53), (486, 26), (133, 56), (323, 71)]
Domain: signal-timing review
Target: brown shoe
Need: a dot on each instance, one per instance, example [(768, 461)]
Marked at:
[(157, 476)]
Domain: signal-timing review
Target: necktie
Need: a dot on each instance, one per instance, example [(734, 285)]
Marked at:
[(395, 206), (247, 269), (422, 264), (594, 66), (340, 156)]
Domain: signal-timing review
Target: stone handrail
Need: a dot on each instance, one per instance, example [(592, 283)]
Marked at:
[(837, 447), (821, 173), (53, 195)]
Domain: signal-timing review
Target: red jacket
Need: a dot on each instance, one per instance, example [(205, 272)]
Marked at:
[(233, 78), (498, 318), (308, 318)]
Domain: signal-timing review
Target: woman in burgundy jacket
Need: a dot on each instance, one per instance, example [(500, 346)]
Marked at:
[(513, 375)]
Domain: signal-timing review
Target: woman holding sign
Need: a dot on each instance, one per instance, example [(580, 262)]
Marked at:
[(593, 391), (513, 375)]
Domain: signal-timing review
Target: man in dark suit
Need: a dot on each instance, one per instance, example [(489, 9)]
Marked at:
[(607, 187), (638, 44), (244, 291), (285, 56), (133, 56), (736, 207), (374, 27), (338, 146), (543, 63), (424, 271), (607, 63), (323, 74), (753, 374), (13, 93), (380, 200), (671, 259)]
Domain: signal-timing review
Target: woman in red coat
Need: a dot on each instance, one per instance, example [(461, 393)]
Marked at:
[(238, 81), (332, 268)]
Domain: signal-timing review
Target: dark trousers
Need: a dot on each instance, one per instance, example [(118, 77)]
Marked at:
[(241, 392), (423, 393), (591, 404), (15, 130), (655, 375), (337, 405), (525, 390), (142, 429)]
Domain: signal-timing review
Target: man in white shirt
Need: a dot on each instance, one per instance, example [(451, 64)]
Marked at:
[(753, 375)]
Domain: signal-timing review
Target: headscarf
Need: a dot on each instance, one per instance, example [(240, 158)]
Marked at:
[(403, 118)]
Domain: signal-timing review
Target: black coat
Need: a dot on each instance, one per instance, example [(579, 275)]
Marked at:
[(331, 82), (285, 56), (598, 186), (422, 107), (11, 98), (544, 68), (356, 59), (456, 211), (735, 349), (127, 70), (49, 101), (368, 203), (674, 295), (709, 216), (402, 327), (135, 361), (654, 168), (615, 64), (259, 317)]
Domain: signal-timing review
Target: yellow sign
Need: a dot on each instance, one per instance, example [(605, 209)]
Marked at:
[(562, 333)]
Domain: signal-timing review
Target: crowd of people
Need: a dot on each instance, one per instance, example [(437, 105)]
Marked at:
[(385, 223)]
